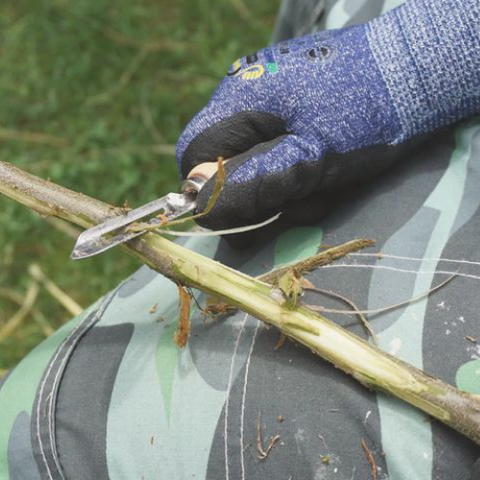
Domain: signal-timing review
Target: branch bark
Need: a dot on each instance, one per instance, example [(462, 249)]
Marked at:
[(368, 364)]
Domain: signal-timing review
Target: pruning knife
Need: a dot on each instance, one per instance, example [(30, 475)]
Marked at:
[(115, 231)]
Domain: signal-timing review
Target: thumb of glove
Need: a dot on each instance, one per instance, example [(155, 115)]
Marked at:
[(256, 186)]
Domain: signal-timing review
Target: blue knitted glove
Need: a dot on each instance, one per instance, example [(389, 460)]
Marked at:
[(319, 112)]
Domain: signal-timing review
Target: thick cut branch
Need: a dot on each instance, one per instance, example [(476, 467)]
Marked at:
[(366, 363)]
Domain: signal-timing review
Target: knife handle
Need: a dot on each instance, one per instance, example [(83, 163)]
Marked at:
[(198, 177), (205, 170), (192, 185)]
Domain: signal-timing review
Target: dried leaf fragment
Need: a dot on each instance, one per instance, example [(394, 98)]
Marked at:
[(218, 308), (163, 219), (273, 441), (280, 341), (325, 459), (183, 329), (214, 307), (306, 283), (370, 459), (217, 189)]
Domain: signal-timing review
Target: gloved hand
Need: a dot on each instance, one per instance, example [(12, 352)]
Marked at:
[(332, 108)]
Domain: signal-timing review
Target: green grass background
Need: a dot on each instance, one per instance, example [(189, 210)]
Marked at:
[(108, 87)]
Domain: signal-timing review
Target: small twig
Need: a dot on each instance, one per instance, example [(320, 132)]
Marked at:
[(323, 258), (148, 120), (32, 137), (63, 227), (371, 459), (176, 76), (162, 149), (123, 81), (197, 304), (55, 291), (157, 149), (346, 300), (6, 257), (273, 441), (262, 453), (241, 8), (214, 310), (150, 46), (38, 317), (15, 321), (376, 311)]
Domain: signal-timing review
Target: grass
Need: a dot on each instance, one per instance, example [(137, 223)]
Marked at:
[(94, 95)]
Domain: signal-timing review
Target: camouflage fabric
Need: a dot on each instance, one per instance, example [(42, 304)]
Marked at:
[(110, 396), (299, 17)]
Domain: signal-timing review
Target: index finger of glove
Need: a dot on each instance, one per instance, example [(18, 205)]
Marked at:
[(228, 137)]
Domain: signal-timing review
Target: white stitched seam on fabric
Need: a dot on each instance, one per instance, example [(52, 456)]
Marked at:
[(401, 270), (244, 396), (42, 386), (227, 401), (46, 378), (51, 415), (50, 406), (380, 256), (94, 320)]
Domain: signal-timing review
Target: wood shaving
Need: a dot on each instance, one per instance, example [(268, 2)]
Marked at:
[(280, 341), (183, 330), (371, 459)]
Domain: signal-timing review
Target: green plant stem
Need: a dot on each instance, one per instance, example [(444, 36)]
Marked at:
[(368, 364), (322, 258)]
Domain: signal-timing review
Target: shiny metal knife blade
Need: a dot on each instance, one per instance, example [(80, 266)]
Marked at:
[(115, 231)]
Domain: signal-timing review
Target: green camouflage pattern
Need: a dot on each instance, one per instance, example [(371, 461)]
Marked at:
[(110, 396)]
